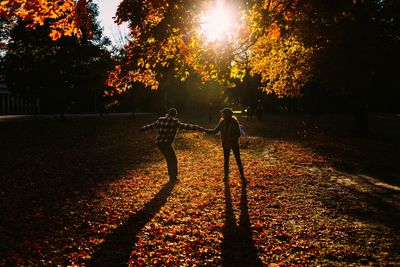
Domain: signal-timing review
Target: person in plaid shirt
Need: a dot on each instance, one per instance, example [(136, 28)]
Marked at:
[(167, 127)]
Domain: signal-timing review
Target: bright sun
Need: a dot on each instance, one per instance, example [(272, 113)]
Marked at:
[(218, 23)]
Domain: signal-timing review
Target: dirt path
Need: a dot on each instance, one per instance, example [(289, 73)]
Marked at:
[(294, 209)]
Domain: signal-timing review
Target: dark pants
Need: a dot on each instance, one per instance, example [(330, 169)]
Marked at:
[(169, 154), (236, 152)]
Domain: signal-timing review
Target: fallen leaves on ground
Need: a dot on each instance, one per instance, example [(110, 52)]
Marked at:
[(290, 211)]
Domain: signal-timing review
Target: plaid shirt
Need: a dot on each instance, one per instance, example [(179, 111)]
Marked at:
[(167, 127)]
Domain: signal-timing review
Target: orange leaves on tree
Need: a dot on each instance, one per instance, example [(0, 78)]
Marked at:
[(66, 17), (274, 32), (164, 35)]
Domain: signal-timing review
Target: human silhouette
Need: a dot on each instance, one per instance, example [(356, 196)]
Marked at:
[(229, 130), (167, 127)]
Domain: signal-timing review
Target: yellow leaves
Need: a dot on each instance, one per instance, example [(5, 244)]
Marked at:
[(237, 72), (263, 46), (185, 75), (213, 74), (284, 65), (140, 63), (151, 40), (38, 21)]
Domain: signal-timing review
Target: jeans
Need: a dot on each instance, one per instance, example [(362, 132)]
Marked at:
[(236, 152), (172, 163)]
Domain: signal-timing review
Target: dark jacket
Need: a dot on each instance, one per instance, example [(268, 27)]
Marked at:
[(229, 132)]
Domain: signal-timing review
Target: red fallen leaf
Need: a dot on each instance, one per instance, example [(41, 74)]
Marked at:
[(84, 255), (192, 212), (257, 225), (74, 255)]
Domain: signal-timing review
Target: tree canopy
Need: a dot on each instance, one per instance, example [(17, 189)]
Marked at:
[(168, 35), (66, 74), (68, 17), (283, 42)]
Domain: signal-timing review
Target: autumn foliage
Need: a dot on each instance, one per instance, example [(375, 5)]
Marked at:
[(99, 196), (165, 35), (67, 17)]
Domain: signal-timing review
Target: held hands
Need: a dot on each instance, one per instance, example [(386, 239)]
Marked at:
[(207, 131), (204, 130)]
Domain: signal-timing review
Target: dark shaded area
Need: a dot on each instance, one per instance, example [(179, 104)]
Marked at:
[(117, 247), (46, 163), (238, 247), (330, 136), (371, 164), (366, 200), (68, 75)]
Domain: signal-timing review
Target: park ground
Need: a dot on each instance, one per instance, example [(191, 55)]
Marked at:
[(94, 192)]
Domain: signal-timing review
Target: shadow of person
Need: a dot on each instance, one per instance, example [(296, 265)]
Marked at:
[(238, 247), (116, 249)]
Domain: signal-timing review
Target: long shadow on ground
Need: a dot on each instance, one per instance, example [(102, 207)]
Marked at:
[(238, 245), (117, 247), (46, 163)]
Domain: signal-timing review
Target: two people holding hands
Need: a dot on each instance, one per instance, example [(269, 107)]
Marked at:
[(168, 126)]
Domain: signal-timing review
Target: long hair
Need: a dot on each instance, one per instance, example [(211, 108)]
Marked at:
[(230, 117)]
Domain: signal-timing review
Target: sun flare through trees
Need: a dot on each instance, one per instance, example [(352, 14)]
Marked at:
[(220, 22), (219, 41)]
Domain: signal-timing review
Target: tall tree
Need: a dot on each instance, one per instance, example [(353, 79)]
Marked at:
[(62, 72), (284, 42), (171, 35)]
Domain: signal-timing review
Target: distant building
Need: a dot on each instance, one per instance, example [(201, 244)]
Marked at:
[(12, 104)]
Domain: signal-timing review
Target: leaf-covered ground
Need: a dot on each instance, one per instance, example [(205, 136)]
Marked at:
[(93, 192)]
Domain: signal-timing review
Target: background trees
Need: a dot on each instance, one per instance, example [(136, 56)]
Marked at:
[(68, 74), (168, 35), (356, 55), (344, 50)]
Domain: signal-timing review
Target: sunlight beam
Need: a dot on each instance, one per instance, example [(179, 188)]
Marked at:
[(219, 23)]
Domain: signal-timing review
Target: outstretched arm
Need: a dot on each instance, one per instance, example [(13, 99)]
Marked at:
[(187, 126), (149, 126), (215, 130)]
